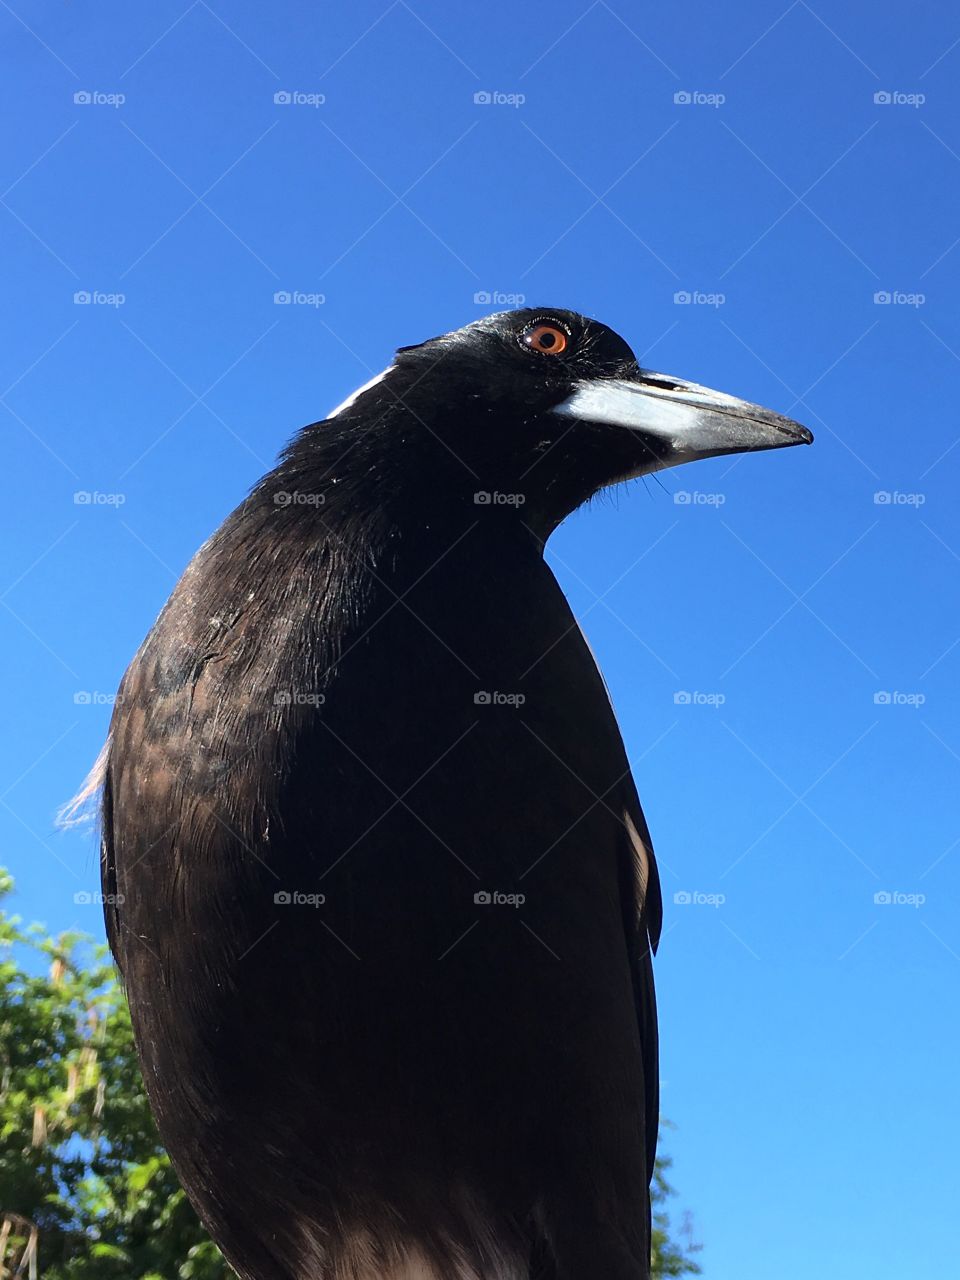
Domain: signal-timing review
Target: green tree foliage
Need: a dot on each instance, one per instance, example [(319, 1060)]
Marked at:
[(86, 1190), (672, 1253), (79, 1153)]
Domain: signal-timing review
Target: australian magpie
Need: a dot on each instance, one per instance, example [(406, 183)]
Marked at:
[(381, 891)]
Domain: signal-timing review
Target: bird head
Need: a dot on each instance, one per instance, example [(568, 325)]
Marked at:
[(546, 407)]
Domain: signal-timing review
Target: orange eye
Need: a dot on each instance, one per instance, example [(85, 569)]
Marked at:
[(546, 338)]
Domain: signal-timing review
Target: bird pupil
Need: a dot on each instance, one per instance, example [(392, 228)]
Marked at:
[(547, 339)]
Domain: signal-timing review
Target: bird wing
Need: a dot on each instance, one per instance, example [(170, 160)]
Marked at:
[(642, 904), (643, 915)]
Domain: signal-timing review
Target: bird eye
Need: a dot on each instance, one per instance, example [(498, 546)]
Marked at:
[(549, 339)]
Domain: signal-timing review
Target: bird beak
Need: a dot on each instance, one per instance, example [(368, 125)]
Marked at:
[(680, 421)]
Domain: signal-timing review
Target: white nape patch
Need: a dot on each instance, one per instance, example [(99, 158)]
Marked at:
[(354, 396)]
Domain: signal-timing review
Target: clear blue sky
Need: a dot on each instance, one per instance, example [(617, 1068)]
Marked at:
[(810, 1034)]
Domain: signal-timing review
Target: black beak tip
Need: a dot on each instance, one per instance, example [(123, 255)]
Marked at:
[(795, 432)]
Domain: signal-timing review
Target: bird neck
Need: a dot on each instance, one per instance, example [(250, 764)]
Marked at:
[(396, 485)]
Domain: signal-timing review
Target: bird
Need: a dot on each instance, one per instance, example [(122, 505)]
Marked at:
[(377, 879)]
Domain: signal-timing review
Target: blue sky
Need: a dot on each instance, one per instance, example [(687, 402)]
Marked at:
[(763, 200)]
